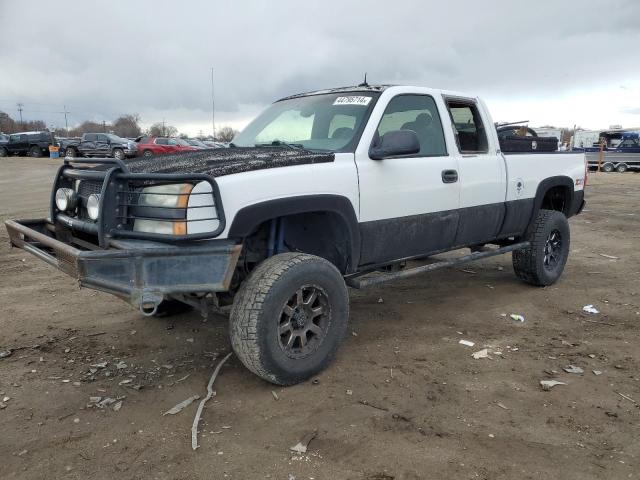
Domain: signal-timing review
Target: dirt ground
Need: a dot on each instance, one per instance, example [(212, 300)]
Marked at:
[(403, 399)]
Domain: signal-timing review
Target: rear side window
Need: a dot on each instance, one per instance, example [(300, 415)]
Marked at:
[(90, 137), (471, 135), (419, 114)]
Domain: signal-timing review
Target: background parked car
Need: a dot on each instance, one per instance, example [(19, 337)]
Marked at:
[(99, 145), (212, 144), (194, 142), (34, 144), (149, 146)]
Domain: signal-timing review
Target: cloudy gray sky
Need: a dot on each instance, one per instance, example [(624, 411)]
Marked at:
[(552, 62)]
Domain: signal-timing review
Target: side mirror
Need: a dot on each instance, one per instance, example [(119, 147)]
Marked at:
[(394, 143)]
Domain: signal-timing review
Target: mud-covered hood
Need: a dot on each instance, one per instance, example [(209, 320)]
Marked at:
[(226, 161)]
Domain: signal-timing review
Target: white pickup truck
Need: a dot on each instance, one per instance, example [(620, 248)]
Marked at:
[(322, 190)]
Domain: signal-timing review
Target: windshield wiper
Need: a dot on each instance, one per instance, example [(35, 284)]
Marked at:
[(280, 143)]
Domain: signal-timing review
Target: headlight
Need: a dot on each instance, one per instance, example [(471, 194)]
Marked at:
[(177, 209), (158, 197), (66, 199), (93, 206)]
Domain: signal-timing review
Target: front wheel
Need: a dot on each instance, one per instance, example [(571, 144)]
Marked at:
[(118, 154), (147, 153), (543, 261), (70, 153), (35, 152), (3, 152), (289, 317)]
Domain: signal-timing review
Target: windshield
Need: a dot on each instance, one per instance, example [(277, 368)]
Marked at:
[(330, 122), (115, 138), (182, 142)]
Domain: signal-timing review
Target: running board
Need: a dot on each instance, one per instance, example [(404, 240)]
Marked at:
[(368, 280)]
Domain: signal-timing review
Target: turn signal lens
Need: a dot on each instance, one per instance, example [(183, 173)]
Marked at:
[(93, 206)]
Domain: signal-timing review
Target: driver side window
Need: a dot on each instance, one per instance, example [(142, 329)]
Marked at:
[(418, 113)]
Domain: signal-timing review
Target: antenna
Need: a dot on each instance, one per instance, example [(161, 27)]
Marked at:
[(213, 109), (364, 84)]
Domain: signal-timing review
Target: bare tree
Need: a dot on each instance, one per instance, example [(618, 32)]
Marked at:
[(159, 129), (226, 134), (7, 124), (87, 127), (127, 126)]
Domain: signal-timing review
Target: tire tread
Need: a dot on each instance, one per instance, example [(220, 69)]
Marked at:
[(247, 306)]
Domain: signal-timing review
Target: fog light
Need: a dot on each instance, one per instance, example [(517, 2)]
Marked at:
[(93, 206), (66, 199)]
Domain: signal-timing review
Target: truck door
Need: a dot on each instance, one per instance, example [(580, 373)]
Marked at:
[(482, 176), (408, 205), (103, 146), (87, 145), (18, 144)]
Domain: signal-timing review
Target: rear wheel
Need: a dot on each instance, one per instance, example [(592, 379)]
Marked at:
[(147, 153), (70, 153), (607, 167), (289, 317), (622, 168), (35, 152), (3, 152), (543, 261)]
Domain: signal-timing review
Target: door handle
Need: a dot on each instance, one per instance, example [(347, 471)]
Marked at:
[(449, 176)]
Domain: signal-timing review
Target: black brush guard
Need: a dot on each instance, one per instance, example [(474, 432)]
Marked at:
[(142, 268)]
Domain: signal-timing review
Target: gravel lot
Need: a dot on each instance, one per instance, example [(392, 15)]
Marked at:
[(403, 400)]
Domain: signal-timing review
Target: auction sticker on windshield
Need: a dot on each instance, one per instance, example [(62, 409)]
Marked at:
[(356, 100)]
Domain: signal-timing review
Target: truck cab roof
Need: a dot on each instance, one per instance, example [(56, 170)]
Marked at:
[(379, 88)]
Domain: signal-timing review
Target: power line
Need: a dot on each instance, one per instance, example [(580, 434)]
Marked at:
[(66, 124), (20, 105)]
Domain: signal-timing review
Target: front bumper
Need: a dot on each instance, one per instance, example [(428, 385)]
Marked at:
[(141, 272)]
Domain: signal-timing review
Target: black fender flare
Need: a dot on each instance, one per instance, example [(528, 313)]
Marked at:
[(543, 188), (250, 217)]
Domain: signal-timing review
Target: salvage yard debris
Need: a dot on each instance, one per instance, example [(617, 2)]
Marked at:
[(549, 384), (210, 393), (590, 309), (517, 317), (573, 369), (467, 343), (484, 353), (182, 405), (303, 444)]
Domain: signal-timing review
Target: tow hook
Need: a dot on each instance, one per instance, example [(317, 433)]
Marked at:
[(149, 303)]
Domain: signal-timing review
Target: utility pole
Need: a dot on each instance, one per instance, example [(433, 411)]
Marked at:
[(66, 124), (213, 109), (20, 105), (163, 134), (104, 126)]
